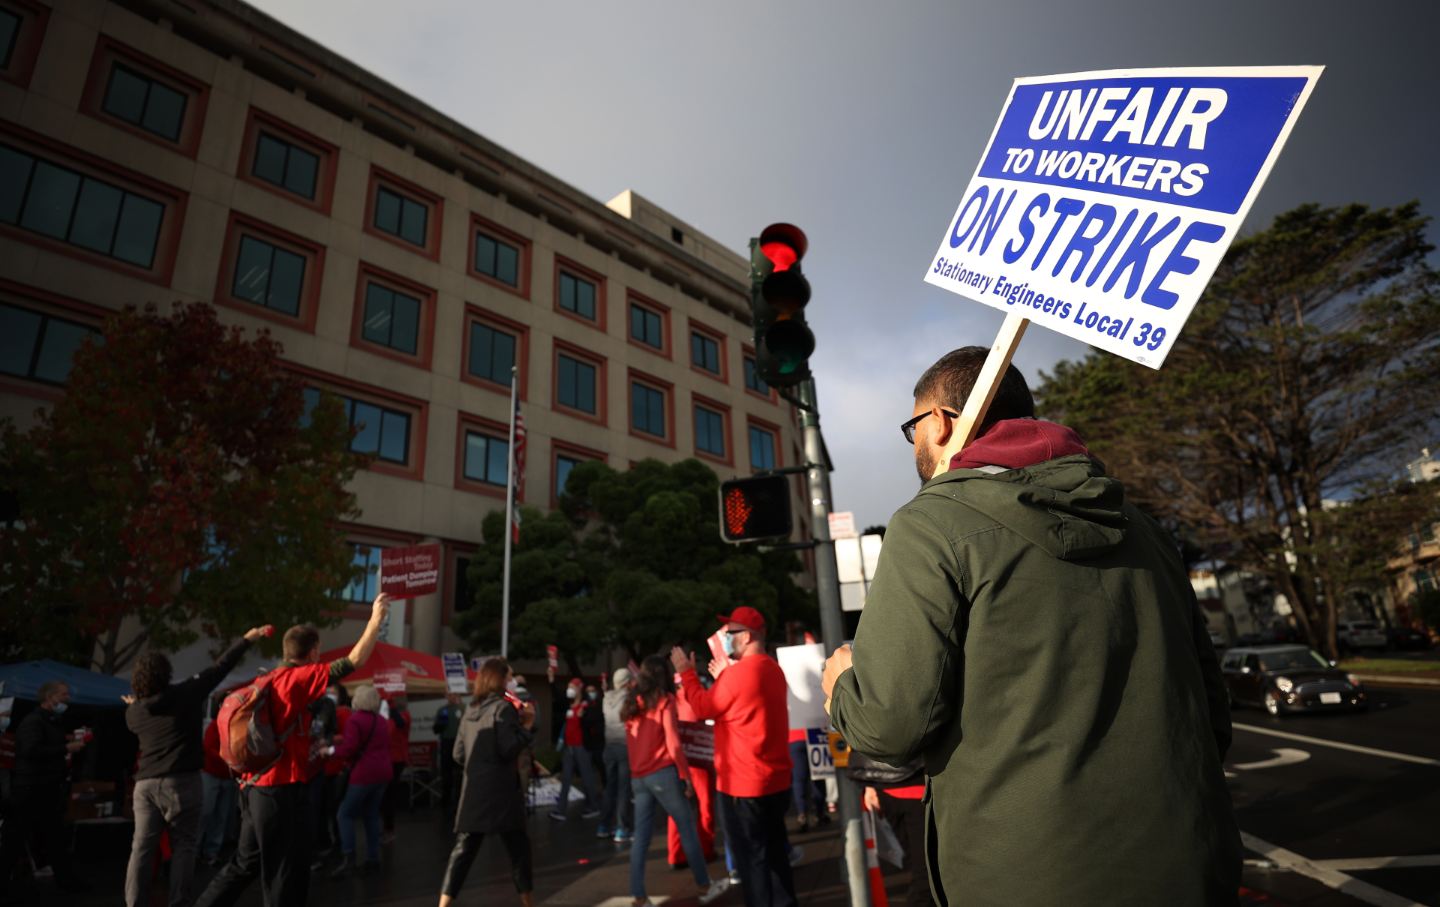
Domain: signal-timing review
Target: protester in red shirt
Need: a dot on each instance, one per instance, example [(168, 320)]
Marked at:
[(574, 756), (399, 758), (752, 755), (274, 828), (659, 773)]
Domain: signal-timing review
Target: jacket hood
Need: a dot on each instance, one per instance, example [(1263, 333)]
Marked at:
[(1053, 493), (474, 710)]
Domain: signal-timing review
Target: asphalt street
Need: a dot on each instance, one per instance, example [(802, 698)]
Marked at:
[(1342, 795)]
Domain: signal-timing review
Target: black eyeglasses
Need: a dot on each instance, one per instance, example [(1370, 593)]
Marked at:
[(908, 428)]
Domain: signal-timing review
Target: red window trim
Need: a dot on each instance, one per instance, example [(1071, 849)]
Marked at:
[(452, 553), (425, 335), (197, 93), (376, 536), (419, 412), (748, 352), (576, 452), (328, 154), (475, 313), (463, 421), (667, 348), (724, 410), (433, 220), (35, 19), (720, 339), (314, 272), (479, 224), (602, 414), (666, 388), (166, 244), (40, 300), (774, 430), (578, 270)]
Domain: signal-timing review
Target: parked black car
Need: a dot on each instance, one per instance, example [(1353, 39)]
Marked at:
[(1283, 679)]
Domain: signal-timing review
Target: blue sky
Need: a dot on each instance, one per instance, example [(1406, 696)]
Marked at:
[(862, 122)]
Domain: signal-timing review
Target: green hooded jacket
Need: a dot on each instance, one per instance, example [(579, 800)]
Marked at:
[(1037, 641)]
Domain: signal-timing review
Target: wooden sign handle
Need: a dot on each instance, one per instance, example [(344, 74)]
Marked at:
[(986, 383)]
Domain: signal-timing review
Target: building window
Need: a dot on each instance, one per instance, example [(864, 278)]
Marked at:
[(403, 213), (380, 431), (647, 410), (22, 29), (487, 458), (269, 276), (762, 448), (285, 164), (362, 589), (392, 318), (704, 352), (709, 431), (575, 384), (400, 216), (563, 465), (141, 101), (577, 296), (646, 326), (54, 201), (464, 596), (37, 346), (497, 259), (492, 353), (753, 381), (10, 23)]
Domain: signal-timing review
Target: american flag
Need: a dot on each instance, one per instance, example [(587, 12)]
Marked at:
[(518, 493)]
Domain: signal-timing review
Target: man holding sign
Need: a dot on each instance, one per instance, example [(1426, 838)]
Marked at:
[(1018, 589)]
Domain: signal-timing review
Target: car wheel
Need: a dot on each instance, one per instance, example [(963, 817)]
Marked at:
[(1272, 704)]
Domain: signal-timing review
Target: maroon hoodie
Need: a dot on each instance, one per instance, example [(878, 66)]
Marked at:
[(1017, 443)]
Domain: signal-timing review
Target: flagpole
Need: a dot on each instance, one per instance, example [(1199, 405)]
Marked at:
[(509, 524)]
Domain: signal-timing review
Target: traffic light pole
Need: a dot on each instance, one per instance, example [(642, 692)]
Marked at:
[(832, 627)]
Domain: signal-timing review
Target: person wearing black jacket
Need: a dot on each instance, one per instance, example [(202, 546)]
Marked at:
[(37, 800), (168, 791)]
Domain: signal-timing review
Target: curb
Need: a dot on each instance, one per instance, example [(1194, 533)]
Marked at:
[(1397, 680)]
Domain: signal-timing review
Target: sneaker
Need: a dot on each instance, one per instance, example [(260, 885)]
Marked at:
[(717, 888), (622, 836), (796, 855), (802, 822), (735, 878), (558, 816), (602, 832), (590, 814)]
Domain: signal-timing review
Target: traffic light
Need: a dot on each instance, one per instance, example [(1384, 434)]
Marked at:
[(778, 295), (755, 508)]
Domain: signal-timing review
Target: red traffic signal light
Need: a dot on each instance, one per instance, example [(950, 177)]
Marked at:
[(755, 508), (779, 293)]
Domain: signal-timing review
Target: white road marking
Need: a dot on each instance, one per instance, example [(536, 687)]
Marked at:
[(1362, 864), (1283, 756), (1335, 744), (1330, 878)]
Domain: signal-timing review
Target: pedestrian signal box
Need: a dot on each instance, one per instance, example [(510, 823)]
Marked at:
[(755, 508)]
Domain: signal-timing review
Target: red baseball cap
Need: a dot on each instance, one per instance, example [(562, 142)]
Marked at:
[(746, 616)]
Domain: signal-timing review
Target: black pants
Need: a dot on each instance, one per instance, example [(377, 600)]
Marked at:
[(274, 845), (755, 834), (37, 810), (467, 845), (449, 776), (907, 817), (393, 793)]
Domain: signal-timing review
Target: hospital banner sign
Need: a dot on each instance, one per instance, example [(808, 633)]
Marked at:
[(1105, 200)]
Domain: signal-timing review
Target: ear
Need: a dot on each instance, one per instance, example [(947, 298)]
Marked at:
[(944, 425)]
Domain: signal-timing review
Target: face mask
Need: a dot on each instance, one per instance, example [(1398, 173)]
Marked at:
[(59, 708), (727, 642), (333, 696), (592, 695), (570, 693)]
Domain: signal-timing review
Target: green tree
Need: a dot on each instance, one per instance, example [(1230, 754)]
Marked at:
[(178, 479), (1310, 367), (631, 560)]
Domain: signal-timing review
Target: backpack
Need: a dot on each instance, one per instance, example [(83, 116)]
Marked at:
[(248, 742)]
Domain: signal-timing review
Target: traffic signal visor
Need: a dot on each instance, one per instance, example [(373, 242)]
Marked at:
[(755, 508)]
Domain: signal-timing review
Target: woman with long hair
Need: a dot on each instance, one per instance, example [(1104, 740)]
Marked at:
[(657, 767), (493, 734)]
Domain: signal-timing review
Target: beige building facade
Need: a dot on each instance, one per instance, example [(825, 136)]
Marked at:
[(153, 152)]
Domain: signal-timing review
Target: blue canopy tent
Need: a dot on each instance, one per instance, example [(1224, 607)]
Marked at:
[(22, 680)]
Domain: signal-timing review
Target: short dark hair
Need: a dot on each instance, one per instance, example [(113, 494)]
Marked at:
[(151, 674), (47, 688), (950, 381), (300, 641), (491, 678)]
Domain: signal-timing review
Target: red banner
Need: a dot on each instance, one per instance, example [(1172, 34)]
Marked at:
[(410, 572)]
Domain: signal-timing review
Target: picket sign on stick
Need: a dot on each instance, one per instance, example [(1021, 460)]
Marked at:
[(986, 383)]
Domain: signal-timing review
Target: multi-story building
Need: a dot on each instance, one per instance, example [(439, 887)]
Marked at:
[(161, 151)]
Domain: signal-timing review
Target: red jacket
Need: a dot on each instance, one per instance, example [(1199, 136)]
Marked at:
[(291, 693), (652, 741), (752, 725)]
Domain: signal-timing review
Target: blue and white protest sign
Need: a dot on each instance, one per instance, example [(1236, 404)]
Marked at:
[(1105, 200), (454, 663)]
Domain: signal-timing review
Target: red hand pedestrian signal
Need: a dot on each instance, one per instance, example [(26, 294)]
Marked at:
[(755, 508), (737, 512)]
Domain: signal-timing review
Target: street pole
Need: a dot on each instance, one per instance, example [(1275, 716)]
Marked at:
[(509, 521), (832, 626)]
